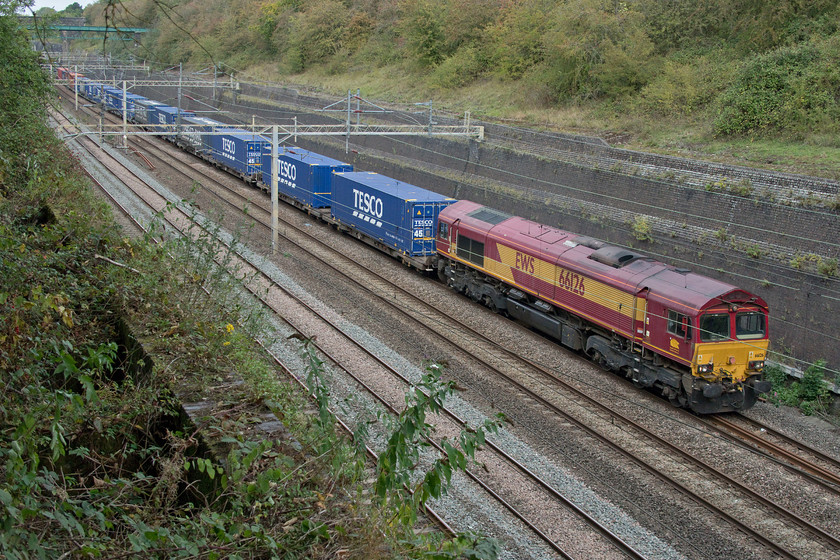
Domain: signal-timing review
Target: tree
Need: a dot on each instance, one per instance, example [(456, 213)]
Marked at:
[(516, 38), (596, 48), (318, 31), (24, 90), (73, 10), (422, 25)]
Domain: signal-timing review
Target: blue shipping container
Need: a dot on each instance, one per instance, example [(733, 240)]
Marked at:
[(195, 133), (93, 91), (115, 102), (164, 114), (81, 85), (144, 110), (112, 94), (108, 95), (303, 175), (399, 214), (239, 150), (133, 98)]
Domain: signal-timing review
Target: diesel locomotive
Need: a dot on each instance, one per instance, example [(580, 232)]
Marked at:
[(701, 342)]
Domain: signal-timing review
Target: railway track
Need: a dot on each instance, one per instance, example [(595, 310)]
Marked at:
[(508, 364), (796, 456), (287, 303), (510, 361)]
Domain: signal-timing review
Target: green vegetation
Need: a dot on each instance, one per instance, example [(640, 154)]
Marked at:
[(397, 463), (790, 88), (810, 394), (741, 188), (97, 458), (73, 10), (642, 229), (740, 79), (827, 267)]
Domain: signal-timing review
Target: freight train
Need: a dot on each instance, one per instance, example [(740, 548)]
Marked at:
[(700, 342)]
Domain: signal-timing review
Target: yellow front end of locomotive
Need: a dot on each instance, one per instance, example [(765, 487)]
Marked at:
[(729, 361)]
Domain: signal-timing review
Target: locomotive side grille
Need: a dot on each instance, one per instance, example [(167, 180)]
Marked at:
[(471, 250)]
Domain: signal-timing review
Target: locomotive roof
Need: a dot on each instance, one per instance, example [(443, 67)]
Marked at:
[(617, 266)]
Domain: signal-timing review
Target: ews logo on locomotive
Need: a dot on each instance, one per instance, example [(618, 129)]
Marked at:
[(566, 279), (524, 262)]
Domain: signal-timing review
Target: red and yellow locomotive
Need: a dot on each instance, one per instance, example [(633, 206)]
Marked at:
[(701, 342)]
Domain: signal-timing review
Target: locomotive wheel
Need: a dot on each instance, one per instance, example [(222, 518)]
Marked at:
[(491, 305)]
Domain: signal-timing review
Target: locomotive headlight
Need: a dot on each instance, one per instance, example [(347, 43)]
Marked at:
[(756, 365), (705, 368)]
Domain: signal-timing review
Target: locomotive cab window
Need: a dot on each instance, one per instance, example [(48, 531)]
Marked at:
[(749, 325), (678, 324), (443, 230), (714, 327)]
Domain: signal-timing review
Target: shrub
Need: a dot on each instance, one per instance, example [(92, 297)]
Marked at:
[(422, 26), (318, 32), (810, 394), (677, 90), (641, 229), (460, 69), (515, 41), (828, 267), (791, 88), (592, 49)]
